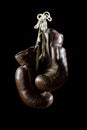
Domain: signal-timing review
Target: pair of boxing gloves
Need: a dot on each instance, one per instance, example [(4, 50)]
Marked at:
[(35, 86)]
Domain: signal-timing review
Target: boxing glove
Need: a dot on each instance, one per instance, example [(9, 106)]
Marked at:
[(24, 78), (35, 86), (56, 70)]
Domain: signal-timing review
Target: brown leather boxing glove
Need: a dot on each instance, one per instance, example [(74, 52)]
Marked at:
[(50, 76), (56, 71), (25, 81)]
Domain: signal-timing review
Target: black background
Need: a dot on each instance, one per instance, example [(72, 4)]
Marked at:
[(19, 34)]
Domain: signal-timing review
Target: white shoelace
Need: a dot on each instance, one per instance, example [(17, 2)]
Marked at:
[(42, 23), (42, 26)]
